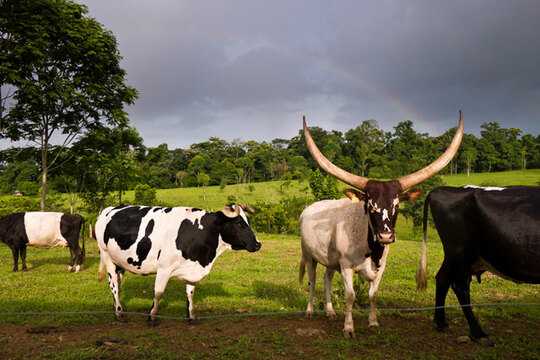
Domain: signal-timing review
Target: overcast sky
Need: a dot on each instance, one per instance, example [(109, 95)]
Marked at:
[(250, 69)]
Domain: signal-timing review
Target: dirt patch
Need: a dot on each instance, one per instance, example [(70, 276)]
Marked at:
[(275, 337)]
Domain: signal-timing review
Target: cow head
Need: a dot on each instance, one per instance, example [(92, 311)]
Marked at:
[(236, 230), (382, 198)]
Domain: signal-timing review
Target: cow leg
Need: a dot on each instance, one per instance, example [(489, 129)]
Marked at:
[(162, 278), (443, 281), (15, 253), (348, 275), (311, 266), (461, 288), (374, 287), (329, 309), (114, 283), (22, 251), (72, 259), (190, 290)]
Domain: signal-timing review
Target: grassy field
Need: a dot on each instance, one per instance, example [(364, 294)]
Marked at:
[(250, 305), (243, 284)]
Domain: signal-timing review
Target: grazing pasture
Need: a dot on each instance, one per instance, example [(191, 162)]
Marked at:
[(240, 286)]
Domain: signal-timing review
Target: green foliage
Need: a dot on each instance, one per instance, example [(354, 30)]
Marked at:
[(323, 186), (145, 194), (64, 70), (281, 217), (13, 204), (414, 210)]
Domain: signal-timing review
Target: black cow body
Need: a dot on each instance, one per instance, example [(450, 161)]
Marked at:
[(496, 229), (42, 229)]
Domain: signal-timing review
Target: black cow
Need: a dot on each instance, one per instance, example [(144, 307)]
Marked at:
[(42, 229), (495, 229)]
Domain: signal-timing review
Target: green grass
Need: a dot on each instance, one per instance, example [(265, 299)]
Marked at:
[(239, 283), (505, 178)]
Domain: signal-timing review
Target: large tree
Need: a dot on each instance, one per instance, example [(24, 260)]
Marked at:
[(62, 70)]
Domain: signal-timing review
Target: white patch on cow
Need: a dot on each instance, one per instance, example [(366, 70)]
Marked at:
[(385, 215), (77, 268), (374, 207), (485, 188), (43, 229), (395, 203), (387, 228)]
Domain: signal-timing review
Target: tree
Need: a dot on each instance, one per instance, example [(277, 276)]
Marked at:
[(64, 73), (364, 146), (180, 176), (104, 161)]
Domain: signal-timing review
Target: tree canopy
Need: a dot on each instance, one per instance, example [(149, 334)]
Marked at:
[(60, 75)]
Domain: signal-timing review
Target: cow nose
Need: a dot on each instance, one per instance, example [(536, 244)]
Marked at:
[(258, 245), (386, 238)]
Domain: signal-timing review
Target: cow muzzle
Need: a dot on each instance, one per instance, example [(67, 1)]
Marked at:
[(386, 238), (256, 247)]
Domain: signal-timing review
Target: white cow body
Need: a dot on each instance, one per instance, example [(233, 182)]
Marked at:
[(335, 234), (43, 229)]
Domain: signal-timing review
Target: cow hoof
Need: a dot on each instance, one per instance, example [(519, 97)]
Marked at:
[(77, 268), (309, 314), (15, 270), (192, 321), (153, 322), (373, 324), (440, 326), (121, 317), (349, 334), (70, 268), (484, 341), (331, 315), (24, 269)]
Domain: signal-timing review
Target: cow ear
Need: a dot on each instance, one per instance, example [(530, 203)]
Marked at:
[(247, 208), (354, 195), (230, 211), (411, 195)]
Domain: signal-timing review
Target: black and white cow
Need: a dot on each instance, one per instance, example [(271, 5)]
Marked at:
[(42, 229), (179, 242), (495, 229)]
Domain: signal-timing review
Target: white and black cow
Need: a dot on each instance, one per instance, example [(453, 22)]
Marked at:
[(42, 229), (179, 242)]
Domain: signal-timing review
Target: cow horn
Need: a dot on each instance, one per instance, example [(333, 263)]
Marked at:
[(419, 176), (358, 182)]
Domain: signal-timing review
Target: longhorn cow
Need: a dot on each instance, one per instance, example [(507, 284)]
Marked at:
[(351, 237)]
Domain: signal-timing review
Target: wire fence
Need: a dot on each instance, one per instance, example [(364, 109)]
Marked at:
[(260, 314)]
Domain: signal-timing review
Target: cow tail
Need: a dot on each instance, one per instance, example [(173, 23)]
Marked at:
[(101, 271), (84, 235), (302, 271), (421, 273)]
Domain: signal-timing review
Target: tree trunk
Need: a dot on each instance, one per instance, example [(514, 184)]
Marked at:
[(44, 170)]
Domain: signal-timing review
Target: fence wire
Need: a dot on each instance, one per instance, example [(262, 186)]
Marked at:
[(260, 314)]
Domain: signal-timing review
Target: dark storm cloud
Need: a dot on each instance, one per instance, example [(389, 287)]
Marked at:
[(249, 69)]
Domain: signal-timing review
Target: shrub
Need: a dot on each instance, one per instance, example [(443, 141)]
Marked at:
[(323, 186), (9, 205), (145, 194), (281, 217)]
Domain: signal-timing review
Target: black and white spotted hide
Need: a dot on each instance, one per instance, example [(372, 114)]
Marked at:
[(179, 242)]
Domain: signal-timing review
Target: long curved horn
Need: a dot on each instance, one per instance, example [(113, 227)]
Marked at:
[(358, 182), (417, 177)]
